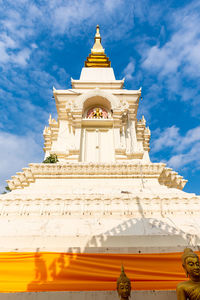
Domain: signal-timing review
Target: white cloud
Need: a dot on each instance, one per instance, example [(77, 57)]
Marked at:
[(192, 136), (182, 50), (111, 5), (183, 159), (10, 51), (75, 17), (152, 98), (23, 21), (6, 44), (186, 148), (22, 57), (18, 26), (129, 70), (16, 153), (167, 138), (148, 11), (172, 61), (18, 90)]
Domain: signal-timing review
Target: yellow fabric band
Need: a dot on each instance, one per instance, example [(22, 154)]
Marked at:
[(50, 271)]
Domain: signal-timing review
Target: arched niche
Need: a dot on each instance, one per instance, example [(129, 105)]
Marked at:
[(96, 98), (97, 102)]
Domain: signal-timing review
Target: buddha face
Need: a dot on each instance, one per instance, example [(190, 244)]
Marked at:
[(192, 267), (124, 290)]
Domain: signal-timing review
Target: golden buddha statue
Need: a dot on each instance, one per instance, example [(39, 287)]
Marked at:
[(123, 286), (190, 289), (98, 114)]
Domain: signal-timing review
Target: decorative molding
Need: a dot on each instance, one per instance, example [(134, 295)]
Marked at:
[(171, 179), (67, 105), (50, 134), (143, 133), (78, 84), (97, 170), (98, 205)]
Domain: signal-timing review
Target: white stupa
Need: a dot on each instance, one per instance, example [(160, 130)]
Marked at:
[(104, 195)]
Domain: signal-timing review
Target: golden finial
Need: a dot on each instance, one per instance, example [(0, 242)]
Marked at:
[(97, 35), (97, 58), (97, 47)]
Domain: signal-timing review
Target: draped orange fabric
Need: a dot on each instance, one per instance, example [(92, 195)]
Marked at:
[(51, 271)]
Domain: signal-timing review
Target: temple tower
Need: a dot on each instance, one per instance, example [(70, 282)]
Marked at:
[(104, 195), (97, 117)]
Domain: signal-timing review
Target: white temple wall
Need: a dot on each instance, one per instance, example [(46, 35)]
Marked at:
[(82, 144), (125, 95), (134, 146), (64, 137), (97, 234), (77, 138), (146, 157), (140, 146), (128, 139), (123, 138), (117, 138), (96, 185), (97, 74)]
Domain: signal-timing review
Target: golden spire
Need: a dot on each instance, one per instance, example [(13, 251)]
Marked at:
[(97, 47), (97, 58)]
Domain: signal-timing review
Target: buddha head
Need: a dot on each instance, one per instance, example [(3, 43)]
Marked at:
[(123, 285), (190, 261)]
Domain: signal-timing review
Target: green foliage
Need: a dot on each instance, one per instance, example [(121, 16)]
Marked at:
[(51, 159), (7, 190)]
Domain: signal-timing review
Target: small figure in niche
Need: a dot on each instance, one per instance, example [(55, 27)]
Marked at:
[(97, 113), (123, 286), (190, 289)]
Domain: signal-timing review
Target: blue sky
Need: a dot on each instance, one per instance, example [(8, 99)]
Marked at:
[(154, 44)]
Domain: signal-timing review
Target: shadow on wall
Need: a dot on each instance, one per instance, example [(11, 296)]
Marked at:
[(146, 229), (60, 271), (51, 269)]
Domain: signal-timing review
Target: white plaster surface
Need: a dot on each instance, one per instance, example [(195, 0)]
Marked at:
[(96, 232), (97, 74)]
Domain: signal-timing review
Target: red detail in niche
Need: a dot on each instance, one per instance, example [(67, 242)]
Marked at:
[(97, 113)]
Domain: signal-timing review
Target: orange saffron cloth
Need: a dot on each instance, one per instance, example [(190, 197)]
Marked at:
[(52, 271)]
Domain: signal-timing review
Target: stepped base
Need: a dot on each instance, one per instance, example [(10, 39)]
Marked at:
[(100, 295)]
